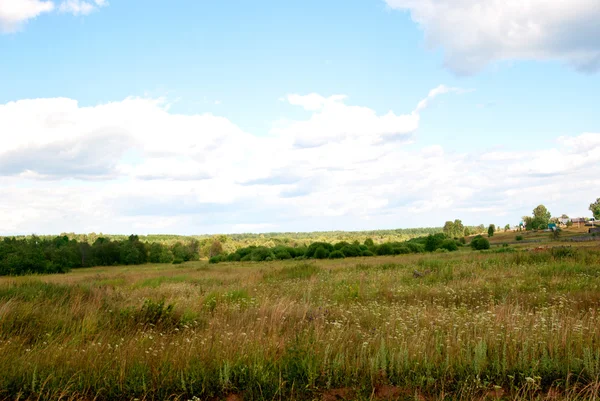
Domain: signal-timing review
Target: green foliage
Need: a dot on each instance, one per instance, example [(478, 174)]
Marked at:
[(519, 238), (61, 254), (480, 243), (454, 229), (434, 241), (540, 219), (491, 230), (215, 259), (449, 245), (336, 255), (563, 252), (321, 252), (595, 209), (312, 249), (385, 249)]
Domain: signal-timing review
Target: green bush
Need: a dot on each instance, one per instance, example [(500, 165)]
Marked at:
[(282, 255), (434, 241), (350, 251), (214, 259), (321, 253), (367, 253), (402, 250), (234, 257), (449, 245), (336, 255), (312, 249), (385, 249), (519, 238), (480, 243)]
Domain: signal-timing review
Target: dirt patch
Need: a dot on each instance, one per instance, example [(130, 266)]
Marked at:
[(387, 392), (234, 397), (338, 394)]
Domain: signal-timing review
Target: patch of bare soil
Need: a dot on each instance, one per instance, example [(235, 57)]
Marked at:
[(338, 394)]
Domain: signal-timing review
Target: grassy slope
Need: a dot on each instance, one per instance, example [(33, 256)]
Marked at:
[(479, 325)]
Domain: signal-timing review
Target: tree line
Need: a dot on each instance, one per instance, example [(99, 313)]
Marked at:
[(35, 255), (342, 249)]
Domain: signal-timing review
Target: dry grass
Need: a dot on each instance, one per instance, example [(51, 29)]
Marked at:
[(480, 326)]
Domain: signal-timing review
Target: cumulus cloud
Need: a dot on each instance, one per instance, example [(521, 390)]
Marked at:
[(14, 13), (473, 33), (134, 165), (81, 7)]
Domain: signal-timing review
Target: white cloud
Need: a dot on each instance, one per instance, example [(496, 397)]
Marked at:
[(14, 13), (81, 7), (134, 165), (474, 33)]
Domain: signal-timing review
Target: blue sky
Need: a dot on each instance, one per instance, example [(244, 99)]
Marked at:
[(181, 117)]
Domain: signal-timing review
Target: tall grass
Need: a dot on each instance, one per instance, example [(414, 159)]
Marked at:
[(510, 325)]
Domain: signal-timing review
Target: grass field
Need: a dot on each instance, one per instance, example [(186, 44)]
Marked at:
[(510, 325)]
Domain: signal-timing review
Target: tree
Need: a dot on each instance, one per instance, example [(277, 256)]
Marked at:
[(491, 230), (215, 248), (595, 209), (459, 228), (541, 217), (507, 227), (449, 229), (528, 222)]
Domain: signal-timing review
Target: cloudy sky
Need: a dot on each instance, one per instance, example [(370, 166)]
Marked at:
[(197, 116)]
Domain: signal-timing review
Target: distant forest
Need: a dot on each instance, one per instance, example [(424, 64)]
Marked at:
[(47, 254)]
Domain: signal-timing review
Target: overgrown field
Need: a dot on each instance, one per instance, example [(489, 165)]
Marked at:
[(463, 325)]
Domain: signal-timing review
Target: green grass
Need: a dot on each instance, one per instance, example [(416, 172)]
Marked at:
[(476, 325)]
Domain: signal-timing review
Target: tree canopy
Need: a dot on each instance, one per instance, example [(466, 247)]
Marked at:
[(595, 209)]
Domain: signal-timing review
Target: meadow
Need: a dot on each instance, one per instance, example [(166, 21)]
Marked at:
[(497, 324)]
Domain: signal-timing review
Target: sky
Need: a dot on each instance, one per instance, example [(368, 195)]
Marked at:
[(198, 116)]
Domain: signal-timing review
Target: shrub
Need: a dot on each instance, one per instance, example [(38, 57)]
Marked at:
[(234, 257), (479, 243), (367, 253), (350, 251), (563, 252), (519, 238), (282, 255), (261, 253), (177, 261), (312, 249), (336, 255), (321, 253), (214, 259), (385, 249), (449, 245), (415, 248), (434, 241), (402, 250), (340, 245)]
